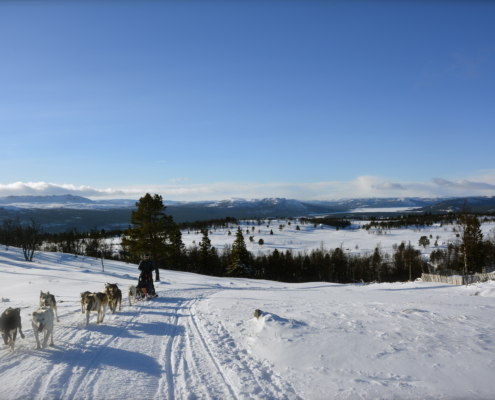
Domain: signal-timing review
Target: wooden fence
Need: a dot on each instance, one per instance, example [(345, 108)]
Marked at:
[(457, 279)]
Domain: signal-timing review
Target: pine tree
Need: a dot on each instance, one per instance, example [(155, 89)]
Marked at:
[(338, 260), (239, 257), (176, 249), (205, 253), (472, 242), (376, 262), (424, 241), (150, 232)]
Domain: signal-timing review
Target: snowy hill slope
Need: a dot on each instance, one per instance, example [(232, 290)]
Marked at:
[(199, 339)]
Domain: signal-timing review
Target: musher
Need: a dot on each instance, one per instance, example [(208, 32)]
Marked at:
[(147, 267)]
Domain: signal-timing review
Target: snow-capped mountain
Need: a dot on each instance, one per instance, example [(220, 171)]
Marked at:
[(255, 205), (379, 202), (61, 199)]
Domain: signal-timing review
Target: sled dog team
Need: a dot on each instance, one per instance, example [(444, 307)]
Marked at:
[(43, 318)]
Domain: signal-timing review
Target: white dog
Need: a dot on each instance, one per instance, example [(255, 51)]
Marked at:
[(43, 322), (48, 300), (96, 302), (134, 293)]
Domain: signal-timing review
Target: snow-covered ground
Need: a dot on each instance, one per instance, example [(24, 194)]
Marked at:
[(309, 237), (199, 339)]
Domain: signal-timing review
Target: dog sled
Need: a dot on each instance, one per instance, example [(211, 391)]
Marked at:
[(146, 286)]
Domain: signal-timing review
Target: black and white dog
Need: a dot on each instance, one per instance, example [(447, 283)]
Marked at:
[(10, 321), (48, 300)]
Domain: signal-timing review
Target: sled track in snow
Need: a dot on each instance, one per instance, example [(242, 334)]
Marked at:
[(248, 377), (81, 335), (207, 350), (173, 349), (102, 347), (168, 359)]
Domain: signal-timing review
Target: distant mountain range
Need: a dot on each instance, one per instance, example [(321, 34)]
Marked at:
[(378, 202), (476, 204), (59, 213), (254, 205), (63, 201)]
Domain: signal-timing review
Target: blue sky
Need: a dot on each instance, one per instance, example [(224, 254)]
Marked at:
[(209, 100)]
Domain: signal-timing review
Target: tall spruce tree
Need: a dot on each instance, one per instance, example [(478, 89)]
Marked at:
[(239, 257), (472, 242), (150, 232), (376, 263), (176, 249), (339, 262), (205, 253)]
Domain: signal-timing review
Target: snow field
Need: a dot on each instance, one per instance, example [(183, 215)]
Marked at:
[(308, 237), (199, 339)]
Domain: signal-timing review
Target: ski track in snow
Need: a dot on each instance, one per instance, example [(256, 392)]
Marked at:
[(161, 349)]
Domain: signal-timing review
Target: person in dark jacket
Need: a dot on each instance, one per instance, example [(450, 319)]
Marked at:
[(147, 267)]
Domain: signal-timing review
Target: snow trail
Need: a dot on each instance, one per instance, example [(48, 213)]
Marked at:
[(156, 349)]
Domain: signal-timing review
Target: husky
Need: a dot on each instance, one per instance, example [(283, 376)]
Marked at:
[(134, 293), (96, 302), (48, 300), (10, 321), (114, 295), (43, 322), (83, 300)]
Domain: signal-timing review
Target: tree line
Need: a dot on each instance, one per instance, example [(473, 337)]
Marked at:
[(25, 235), (420, 220)]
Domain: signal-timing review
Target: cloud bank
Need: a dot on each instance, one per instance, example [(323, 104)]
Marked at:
[(181, 189)]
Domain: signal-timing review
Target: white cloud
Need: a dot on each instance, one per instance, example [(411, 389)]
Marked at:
[(389, 186), (47, 189), (362, 186), (464, 184), (177, 180)]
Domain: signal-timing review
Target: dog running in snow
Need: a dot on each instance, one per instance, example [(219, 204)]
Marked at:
[(114, 295), (96, 302), (83, 300), (134, 293), (43, 322), (48, 300), (10, 321)]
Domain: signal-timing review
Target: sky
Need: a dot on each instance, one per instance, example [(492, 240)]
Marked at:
[(219, 99)]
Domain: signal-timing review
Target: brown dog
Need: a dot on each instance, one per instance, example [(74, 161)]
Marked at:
[(96, 302), (114, 295), (48, 300)]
